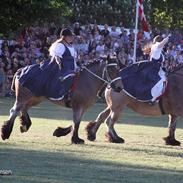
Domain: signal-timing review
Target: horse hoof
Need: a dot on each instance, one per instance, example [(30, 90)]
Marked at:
[(171, 141), (114, 140), (23, 128), (77, 141), (6, 130), (25, 123), (90, 135), (62, 131)]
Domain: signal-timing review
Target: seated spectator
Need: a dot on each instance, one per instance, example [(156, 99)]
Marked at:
[(176, 37), (77, 29), (100, 47), (179, 57), (107, 42), (95, 30), (113, 33), (2, 79), (131, 36), (105, 31), (92, 46), (124, 38), (130, 57)]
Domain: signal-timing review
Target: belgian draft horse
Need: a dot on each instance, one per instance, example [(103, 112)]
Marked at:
[(171, 103), (91, 80)]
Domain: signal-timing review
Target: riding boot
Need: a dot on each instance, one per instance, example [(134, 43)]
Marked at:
[(152, 103)]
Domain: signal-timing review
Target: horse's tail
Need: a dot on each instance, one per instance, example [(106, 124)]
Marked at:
[(62, 131), (13, 81)]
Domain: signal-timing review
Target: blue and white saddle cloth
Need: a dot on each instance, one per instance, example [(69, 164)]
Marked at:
[(44, 80), (144, 81)]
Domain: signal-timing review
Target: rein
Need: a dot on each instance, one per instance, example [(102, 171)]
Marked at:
[(108, 81)]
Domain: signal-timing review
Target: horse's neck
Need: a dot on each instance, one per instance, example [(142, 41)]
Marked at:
[(93, 79)]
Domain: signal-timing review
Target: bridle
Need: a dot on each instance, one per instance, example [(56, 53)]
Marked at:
[(105, 72)]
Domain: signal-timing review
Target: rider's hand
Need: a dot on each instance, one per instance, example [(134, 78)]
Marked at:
[(60, 65), (77, 69)]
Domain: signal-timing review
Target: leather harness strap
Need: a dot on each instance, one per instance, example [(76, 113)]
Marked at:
[(161, 106)]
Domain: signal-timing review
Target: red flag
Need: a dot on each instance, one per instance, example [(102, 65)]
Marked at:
[(142, 16)]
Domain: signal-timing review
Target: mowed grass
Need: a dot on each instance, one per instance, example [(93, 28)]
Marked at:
[(38, 157)]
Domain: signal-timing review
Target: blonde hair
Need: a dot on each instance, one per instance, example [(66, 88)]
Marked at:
[(147, 48)]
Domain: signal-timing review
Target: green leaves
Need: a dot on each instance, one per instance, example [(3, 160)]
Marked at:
[(18, 13), (15, 14)]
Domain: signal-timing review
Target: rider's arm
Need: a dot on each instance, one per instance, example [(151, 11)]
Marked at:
[(162, 43), (75, 59), (56, 51)]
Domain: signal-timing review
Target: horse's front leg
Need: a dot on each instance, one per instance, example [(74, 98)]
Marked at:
[(111, 135), (77, 115), (170, 139), (93, 126)]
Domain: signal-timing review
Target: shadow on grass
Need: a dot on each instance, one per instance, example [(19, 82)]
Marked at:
[(51, 111), (60, 167)]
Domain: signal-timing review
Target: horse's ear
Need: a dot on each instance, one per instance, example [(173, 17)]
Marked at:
[(108, 57)]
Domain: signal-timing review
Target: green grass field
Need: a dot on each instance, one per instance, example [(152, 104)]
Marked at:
[(38, 157)]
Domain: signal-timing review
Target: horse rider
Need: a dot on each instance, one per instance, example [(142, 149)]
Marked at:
[(156, 55), (64, 54), (157, 47)]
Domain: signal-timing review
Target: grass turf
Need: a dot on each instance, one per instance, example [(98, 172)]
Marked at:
[(38, 157)]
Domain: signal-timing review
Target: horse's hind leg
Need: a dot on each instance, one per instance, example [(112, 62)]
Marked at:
[(93, 126), (8, 125), (25, 121), (111, 135), (170, 139)]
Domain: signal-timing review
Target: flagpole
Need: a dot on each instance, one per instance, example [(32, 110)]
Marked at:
[(136, 30)]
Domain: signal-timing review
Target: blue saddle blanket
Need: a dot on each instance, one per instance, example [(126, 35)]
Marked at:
[(44, 80), (143, 81)]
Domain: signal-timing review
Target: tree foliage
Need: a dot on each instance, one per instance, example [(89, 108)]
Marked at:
[(167, 13), (159, 13), (17, 13)]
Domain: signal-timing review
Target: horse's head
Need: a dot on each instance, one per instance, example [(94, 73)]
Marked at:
[(112, 66), (104, 68)]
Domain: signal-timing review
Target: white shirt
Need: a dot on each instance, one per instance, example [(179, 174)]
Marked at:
[(114, 34), (100, 48), (58, 49), (156, 51)]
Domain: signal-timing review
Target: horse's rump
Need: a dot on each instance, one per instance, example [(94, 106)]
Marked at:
[(14, 77)]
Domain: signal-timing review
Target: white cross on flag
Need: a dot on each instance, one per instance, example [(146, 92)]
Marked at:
[(142, 16)]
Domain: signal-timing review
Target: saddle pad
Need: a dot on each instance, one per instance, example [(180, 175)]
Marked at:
[(44, 80), (144, 81)]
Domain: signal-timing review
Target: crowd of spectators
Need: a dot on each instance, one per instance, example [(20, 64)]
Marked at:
[(91, 41)]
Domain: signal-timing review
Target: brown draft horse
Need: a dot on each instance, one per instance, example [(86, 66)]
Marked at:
[(81, 98), (170, 103)]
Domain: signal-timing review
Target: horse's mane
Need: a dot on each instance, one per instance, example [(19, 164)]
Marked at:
[(94, 62), (176, 68)]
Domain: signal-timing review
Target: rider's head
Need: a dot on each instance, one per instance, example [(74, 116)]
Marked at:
[(67, 35), (157, 39)]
